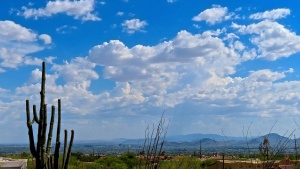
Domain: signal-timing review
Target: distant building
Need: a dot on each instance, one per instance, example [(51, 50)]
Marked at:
[(8, 163)]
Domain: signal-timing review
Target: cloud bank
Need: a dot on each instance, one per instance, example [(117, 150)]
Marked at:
[(197, 77)]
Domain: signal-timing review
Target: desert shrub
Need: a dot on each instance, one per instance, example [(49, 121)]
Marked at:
[(181, 163), (111, 162), (129, 159)]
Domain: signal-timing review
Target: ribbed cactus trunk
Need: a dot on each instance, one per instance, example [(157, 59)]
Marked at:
[(42, 150)]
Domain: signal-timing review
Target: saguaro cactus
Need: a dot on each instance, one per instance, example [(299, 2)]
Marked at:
[(42, 151)]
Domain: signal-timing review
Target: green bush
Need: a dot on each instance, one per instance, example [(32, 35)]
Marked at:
[(111, 162), (184, 162), (129, 159)]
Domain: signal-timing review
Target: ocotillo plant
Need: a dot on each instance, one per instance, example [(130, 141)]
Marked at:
[(153, 145), (42, 151)]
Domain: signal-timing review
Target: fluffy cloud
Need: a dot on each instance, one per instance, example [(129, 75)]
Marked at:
[(133, 25), (79, 9), (16, 42), (272, 39), (213, 15), (257, 92), (13, 54), (157, 69), (77, 71), (46, 38), (266, 75), (148, 79), (185, 47), (11, 31), (196, 70), (240, 97), (76, 97), (272, 15), (32, 61)]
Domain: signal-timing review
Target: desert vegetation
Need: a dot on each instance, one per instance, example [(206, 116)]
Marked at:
[(127, 160)]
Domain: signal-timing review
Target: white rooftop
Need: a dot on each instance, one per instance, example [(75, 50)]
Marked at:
[(13, 163)]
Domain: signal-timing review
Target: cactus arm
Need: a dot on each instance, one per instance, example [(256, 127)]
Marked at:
[(36, 119), (30, 131), (29, 123), (69, 150), (57, 143), (65, 149), (58, 121), (49, 141)]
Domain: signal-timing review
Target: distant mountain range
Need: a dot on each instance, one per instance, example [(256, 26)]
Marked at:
[(179, 144), (207, 140)]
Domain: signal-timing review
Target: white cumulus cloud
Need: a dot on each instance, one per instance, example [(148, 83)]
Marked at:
[(10, 30), (77, 71), (79, 9), (158, 68), (272, 39), (213, 15), (272, 15), (133, 25), (46, 38), (16, 42)]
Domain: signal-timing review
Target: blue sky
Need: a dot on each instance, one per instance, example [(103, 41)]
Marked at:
[(213, 66)]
